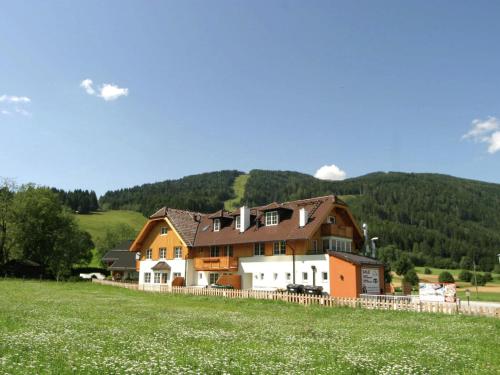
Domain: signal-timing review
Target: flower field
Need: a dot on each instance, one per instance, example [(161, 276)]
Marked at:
[(63, 328)]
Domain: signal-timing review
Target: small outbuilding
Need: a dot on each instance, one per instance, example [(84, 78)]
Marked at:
[(121, 262)]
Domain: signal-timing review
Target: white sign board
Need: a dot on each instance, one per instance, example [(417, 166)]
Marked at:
[(370, 283), (437, 292)]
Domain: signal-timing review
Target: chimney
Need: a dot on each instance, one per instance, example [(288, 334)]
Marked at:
[(244, 218), (303, 217)]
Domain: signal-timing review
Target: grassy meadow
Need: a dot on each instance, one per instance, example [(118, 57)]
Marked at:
[(63, 328)]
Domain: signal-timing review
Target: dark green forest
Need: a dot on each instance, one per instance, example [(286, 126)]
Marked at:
[(441, 221), (81, 201), (203, 192)]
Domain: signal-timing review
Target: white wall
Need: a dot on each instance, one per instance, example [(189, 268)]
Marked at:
[(176, 265), (282, 264)]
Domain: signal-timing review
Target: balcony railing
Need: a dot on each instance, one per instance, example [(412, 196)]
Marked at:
[(336, 230), (216, 263)]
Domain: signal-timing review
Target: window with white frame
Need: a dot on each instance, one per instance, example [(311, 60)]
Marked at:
[(229, 250), (216, 225), (279, 248), (147, 277), (200, 275), (315, 246), (288, 276), (331, 220), (177, 252), (163, 231), (262, 276), (338, 244), (163, 252), (157, 277), (176, 274), (326, 244), (304, 276), (258, 248), (324, 276), (164, 277), (214, 251), (275, 276), (149, 254), (272, 218), (237, 222), (213, 277)]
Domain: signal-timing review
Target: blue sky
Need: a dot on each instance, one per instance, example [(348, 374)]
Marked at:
[(365, 86)]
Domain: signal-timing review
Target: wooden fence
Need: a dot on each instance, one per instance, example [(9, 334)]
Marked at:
[(364, 303)]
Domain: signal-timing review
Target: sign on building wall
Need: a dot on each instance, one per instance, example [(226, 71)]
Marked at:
[(437, 292), (370, 283)]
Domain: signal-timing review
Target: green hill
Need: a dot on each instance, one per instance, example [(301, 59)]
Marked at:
[(440, 220), (98, 222)]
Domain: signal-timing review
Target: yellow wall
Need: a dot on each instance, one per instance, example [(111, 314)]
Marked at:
[(154, 240)]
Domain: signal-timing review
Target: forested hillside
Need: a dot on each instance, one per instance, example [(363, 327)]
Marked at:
[(203, 192), (81, 201), (440, 220)]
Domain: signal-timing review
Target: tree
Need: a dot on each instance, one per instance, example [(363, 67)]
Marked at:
[(411, 277), (427, 271), (481, 281), (403, 264), (113, 237), (7, 189), (465, 275), (446, 277), (44, 232)]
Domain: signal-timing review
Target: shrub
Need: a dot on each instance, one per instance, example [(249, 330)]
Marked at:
[(487, 277), (465, 275), (446, 277), (411, 278), (481, 281), (427, 271)]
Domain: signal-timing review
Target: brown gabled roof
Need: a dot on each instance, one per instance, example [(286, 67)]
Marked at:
[(287, 229), (220, 214)]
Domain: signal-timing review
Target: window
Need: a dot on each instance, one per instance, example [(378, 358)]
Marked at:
[(163, 231), (288, 276), (157, 277), (275, 276), (200, 275), (163, 252), (177, 252), (315, 246), (237, 223), (216, 225), (326, 244), (258, 248), (262, 276), (176, 274), (213, 277), (147, 277), (272, 218), (324, 276), (337, 244), (214, 251), (331, 220), (304, 276), (279, 248), (229, 250), (164, 278), (149, 254)]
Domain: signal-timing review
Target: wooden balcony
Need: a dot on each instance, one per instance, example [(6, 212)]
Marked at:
[(223, 263), (336, 230)]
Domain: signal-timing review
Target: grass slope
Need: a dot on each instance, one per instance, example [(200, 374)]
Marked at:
[(97, 223), (239, 190), (64, 328)]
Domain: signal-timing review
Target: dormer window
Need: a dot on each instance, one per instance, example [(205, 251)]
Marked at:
[(216, 225), (331, 220), (237, 222), (271, 218), (163, 231)]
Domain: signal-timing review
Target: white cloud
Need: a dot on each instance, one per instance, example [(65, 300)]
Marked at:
[(14, 99), (107, 91), (487, 131), (330, 172), (87, 85), (13, 104), (112, 92)]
